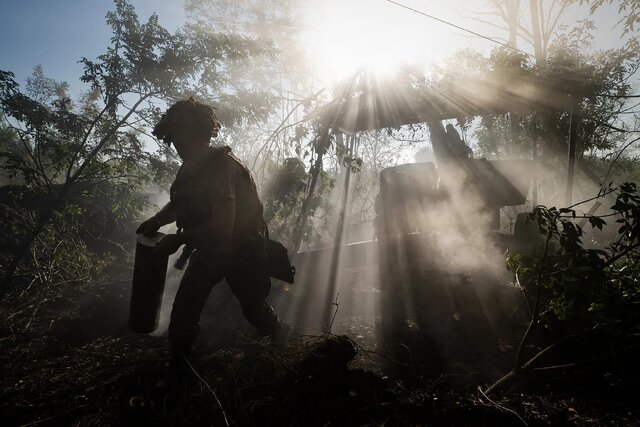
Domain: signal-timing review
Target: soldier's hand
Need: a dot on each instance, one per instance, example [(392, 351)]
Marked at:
[(149, 227), (167, 245)]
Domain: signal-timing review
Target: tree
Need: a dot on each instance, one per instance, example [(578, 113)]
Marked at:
[(284, 75), (544, 20), (601, 80), (629, 8), (586, 295), (68, 148)]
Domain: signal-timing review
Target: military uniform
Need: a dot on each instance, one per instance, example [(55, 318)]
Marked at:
[(197, 188)]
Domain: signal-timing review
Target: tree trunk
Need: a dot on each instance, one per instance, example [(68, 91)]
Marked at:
[(571, 155), (536, 33), (513, 9), (337, 242), (304, 213)]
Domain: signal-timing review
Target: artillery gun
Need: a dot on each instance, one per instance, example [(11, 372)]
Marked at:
[(441, 249), (439, 246)]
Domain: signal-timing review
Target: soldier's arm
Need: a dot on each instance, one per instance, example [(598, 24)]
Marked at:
[(167, 214)]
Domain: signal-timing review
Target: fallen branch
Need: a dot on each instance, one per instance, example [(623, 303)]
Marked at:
[(502, 408), (535, 316), (224, 414), (526, 367)]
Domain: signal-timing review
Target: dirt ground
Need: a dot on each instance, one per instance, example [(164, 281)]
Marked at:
[(72, 361)]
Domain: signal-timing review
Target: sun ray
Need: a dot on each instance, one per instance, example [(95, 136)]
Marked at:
[(347, 36)]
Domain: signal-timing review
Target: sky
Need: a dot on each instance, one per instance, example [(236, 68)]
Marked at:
[(58, 33), (341, 35), (346, 33)]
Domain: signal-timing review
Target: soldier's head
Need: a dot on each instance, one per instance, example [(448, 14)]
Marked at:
[(187, 124)]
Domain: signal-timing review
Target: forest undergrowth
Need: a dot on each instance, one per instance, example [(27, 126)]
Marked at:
[(74, 362)]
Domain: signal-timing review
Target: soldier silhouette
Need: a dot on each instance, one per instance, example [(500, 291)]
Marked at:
[(218, 212)]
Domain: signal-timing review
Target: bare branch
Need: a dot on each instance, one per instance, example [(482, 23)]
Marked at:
[(106, 138), (84, 141)]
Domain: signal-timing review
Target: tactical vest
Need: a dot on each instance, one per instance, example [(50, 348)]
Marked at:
[(191, 192), (195, 185)]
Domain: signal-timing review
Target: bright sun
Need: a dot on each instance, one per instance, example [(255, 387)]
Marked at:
[(376, 35)]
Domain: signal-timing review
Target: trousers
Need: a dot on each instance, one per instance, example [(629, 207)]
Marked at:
[(246, 272)]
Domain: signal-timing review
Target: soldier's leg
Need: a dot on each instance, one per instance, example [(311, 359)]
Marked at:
[(195, 287), (251, 284), (251, 293), (192, 294)]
